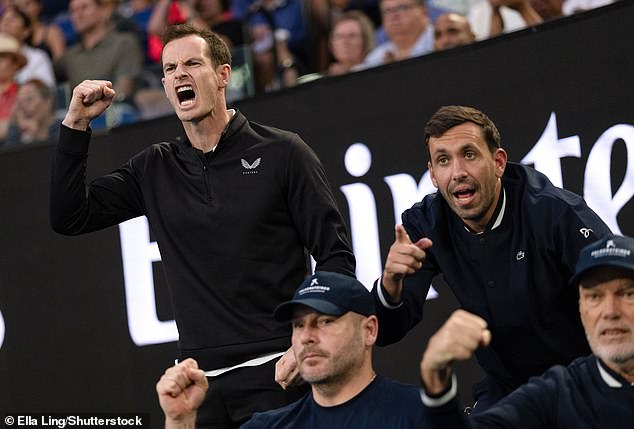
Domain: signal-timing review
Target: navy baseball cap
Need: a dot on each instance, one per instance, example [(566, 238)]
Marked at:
[(612, 250), (328, 293)]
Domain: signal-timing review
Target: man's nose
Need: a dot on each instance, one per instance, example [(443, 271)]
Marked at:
[(611, 307), (307, 334), (458, 170)]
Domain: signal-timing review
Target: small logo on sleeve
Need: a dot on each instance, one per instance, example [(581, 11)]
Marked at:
[(585, 232), (520, 255)]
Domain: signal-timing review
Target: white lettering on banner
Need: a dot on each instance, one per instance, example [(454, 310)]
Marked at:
[(549, 149), (363, 215), (597, 183), (138, 254), (1, 330), (364, 227), (405, 191)]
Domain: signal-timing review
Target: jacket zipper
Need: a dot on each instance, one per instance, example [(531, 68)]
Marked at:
[(207, 180)]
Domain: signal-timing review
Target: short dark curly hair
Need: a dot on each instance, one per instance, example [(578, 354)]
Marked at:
[(448, 117)]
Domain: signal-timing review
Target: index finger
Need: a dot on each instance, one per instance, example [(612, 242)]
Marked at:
[(401, 235)]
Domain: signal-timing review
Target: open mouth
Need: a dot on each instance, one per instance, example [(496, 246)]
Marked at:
[(186, 95), (464, 194)]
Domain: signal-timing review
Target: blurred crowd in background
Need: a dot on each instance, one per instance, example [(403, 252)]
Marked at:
[(49, 46)]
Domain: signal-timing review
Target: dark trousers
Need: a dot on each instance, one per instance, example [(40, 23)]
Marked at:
[(235, 395)]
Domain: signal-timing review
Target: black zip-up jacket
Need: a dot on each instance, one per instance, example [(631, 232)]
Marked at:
[(232, 228), (514, 275)]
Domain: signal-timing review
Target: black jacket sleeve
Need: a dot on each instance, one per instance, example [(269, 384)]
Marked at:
[(314, 210), (108, 200)]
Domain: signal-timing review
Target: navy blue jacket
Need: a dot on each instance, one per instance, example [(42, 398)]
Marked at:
[(584, 395), (514, 275)]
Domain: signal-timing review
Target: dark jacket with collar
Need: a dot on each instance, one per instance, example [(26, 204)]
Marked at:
[(515, 274), (231, 228), (584, 395)]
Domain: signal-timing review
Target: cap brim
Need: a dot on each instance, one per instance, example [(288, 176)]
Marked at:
[(574, 280), (284, 311)]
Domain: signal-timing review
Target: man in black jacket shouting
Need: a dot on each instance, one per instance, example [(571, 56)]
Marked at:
[(233, 204)]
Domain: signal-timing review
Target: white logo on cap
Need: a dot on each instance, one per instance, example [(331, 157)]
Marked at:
[(610, 250), (314, 287), (520, 255)]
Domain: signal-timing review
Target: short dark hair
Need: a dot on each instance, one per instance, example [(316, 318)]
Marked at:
[(217, 49), (448, 117)]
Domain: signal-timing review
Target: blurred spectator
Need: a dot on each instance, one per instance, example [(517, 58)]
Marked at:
[(451, 30), (351, 39), (48, 37), (408, 29), (576, 6), (121, 23), (11, 60), (102, 53), (548, 9), (323, 15), (164, 13), (17, 24), (140, 11), (490, 18), (211, 15), (217, 16), (32, 120), (278, 31)]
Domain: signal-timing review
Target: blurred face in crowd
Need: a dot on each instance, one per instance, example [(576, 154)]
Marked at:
[(403, 20), (467, 173), (193, 85), (8, 68), (606, 304), (347, 43), (329, 349), (32, 103), (31, 7), (209, 10), (451, 30), (86, 15), (12, 23)]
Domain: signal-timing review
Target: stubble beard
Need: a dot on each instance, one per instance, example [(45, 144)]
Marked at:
[(616, 353), (340, 366)]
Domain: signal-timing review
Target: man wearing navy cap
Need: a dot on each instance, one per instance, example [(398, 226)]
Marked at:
[(334, 329), (596, 391)]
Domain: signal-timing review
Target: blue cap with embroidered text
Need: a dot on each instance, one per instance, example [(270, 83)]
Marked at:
[(612, 250), (328, 293)]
